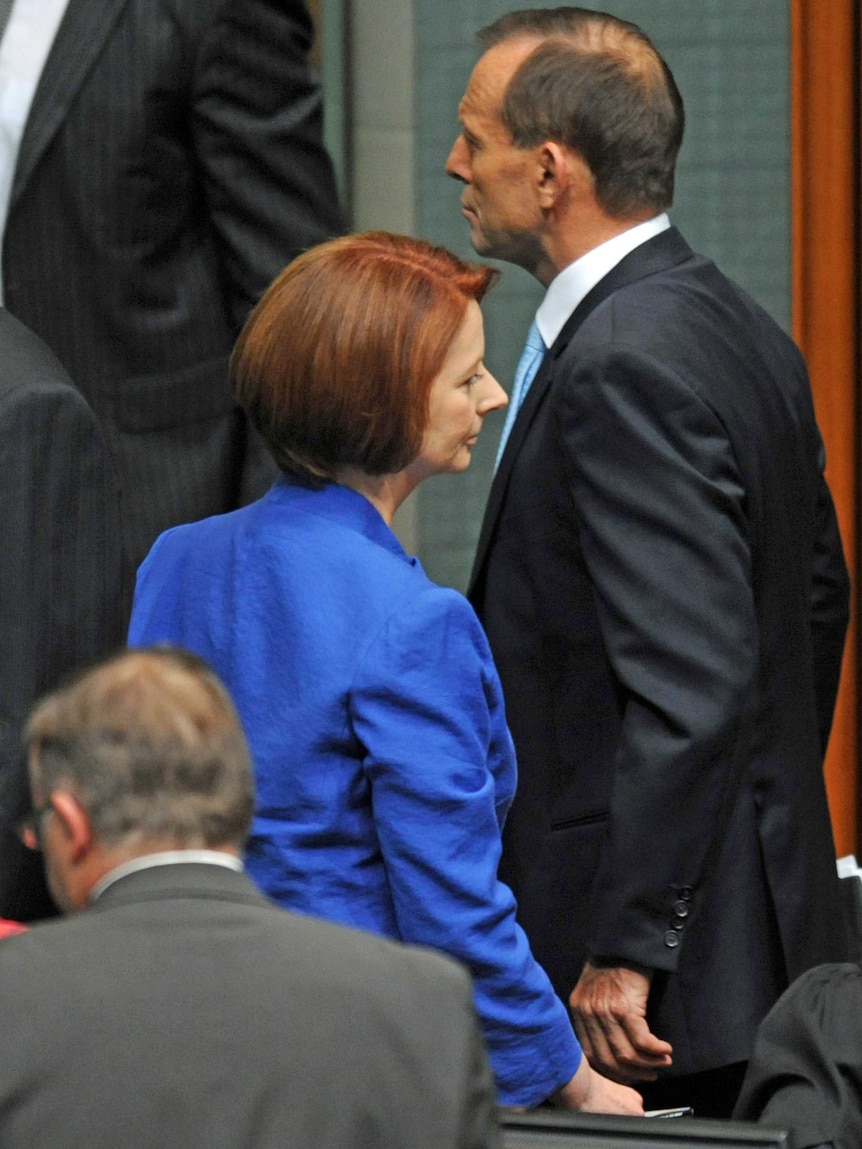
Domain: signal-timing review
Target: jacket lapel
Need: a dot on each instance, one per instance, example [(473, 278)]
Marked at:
[(532, 403), (664, 251), (83, 31)]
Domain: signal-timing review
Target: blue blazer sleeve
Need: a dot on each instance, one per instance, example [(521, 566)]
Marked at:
[(427, 705)]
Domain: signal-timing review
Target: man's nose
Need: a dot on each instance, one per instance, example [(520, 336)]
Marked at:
[(458, 163)]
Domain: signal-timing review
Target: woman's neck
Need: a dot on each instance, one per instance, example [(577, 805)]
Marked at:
[(385, 492)]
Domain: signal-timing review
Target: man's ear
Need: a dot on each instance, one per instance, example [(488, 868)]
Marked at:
[(74, 823), (562, 174)]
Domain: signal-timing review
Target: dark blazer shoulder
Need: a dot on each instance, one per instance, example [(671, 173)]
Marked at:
[(659, 255), (26, 358)]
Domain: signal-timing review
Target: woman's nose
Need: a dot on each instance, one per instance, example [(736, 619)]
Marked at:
[(493, 395)]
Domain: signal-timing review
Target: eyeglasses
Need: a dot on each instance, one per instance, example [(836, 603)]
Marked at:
[(29, 828)]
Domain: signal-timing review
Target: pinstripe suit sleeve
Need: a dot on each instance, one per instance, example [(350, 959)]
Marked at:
[(257, 122), (62, 577)]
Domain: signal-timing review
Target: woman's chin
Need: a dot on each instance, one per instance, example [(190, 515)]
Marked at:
[(461, 462)]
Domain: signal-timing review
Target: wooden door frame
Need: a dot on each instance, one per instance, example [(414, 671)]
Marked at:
[(825, 179)]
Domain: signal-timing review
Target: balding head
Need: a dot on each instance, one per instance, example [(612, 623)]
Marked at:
[(151, 747), (596, 85)]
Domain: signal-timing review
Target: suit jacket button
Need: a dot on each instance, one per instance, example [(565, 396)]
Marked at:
[(686, 893), (681, 909), (676, 922), (671, 939)]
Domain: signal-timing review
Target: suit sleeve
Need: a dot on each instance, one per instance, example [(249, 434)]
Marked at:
[(257, 123), (661, 511), (427, 706), (830, 607), (63, 584)]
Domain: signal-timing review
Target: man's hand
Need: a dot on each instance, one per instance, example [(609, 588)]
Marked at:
[(608, 1007)]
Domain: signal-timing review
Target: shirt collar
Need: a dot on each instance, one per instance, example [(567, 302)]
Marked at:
[(165, 858), (576, 281)]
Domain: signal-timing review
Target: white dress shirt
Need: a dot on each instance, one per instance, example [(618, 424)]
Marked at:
[(576, 281), (24, 49)]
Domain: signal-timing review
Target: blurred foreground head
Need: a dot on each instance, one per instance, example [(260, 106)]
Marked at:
[(141, 754)]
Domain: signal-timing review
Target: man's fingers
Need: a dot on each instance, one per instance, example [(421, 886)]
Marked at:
[(636, 1052), (608, 1007), (649, 1048), (607, 1047), (594, 1042)]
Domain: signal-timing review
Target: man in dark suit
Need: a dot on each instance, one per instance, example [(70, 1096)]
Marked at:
[(659, 572), (181, 1007), (63, 588), (171, 164)]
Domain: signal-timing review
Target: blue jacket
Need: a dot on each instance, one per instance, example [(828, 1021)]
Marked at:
[(384, 767)]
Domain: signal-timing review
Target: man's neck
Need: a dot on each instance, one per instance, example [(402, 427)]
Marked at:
[(575, 282), (567, 245)]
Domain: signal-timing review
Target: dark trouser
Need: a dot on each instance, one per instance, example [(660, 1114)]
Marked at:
[(711, 1093)]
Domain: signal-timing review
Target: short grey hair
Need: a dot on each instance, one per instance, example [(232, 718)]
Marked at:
[(150, 744)]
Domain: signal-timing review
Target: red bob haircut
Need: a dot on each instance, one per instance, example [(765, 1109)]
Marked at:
[(335, 363)]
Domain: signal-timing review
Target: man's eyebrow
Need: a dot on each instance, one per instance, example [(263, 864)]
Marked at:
[(463, 120)]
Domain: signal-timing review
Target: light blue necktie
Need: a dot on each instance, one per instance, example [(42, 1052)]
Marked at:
[(528, 365)]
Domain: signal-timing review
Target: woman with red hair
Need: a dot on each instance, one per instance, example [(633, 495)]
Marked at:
[(383, 764)]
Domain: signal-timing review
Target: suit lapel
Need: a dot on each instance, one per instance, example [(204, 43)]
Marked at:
[(532, 403), (83, 31), (664, 251)]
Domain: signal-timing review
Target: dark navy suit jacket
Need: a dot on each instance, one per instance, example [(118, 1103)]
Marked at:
[(662, 583)]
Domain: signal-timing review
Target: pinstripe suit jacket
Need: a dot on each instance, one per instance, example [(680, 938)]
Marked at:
[(171, 165), (62, 585)]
